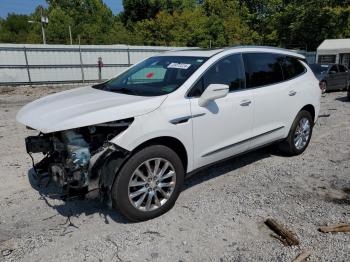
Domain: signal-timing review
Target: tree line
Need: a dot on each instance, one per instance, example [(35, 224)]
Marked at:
[(204, 23)]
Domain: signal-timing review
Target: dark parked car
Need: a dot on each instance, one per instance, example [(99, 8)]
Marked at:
[(331, 76)]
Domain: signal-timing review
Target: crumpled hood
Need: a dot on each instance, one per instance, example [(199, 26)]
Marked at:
[(83, 106)]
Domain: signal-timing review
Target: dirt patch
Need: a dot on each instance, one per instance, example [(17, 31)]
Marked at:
[(218, 216)]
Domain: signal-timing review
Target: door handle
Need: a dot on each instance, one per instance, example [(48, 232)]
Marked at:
[(292, 93), (245, 102)]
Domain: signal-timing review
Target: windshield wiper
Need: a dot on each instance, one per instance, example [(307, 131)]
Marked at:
[(124, 90)]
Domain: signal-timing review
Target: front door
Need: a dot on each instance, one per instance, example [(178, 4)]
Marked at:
[(223, 127), (333, 81)]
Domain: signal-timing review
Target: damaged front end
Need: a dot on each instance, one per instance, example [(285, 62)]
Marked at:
[(80, 159)]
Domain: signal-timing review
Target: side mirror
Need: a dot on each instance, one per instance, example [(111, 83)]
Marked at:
[(212, 92), (332, 72)]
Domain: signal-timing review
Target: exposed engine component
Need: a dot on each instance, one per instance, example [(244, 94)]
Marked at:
[(68, 154), (77, 160), (58, 173)]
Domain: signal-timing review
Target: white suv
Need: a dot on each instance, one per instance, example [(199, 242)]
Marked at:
[(136, 136)]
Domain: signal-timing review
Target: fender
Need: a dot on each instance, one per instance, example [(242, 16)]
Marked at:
[(105, 164)]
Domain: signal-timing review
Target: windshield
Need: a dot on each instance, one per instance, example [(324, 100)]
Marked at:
[(155, 76), (319, 69)]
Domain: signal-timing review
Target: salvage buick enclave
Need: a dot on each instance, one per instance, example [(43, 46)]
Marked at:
[(137, 136)]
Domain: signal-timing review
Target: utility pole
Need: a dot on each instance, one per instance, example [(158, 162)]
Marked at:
[(43, 20), (70, 35)]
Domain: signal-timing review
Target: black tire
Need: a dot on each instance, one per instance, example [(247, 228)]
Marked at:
[(120, 189), (288, 146)]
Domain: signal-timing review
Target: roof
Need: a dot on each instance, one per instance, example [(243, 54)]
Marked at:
[(334, 46), (211, 52), (193, 52)]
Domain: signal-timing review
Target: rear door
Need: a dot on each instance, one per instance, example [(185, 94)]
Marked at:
[(275, 100)]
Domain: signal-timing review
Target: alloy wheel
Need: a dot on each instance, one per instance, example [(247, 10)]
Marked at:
[(152, 184), (302, 133)]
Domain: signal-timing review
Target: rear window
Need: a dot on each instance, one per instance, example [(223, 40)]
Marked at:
[(319, 69), (292, 67), (263, 69)]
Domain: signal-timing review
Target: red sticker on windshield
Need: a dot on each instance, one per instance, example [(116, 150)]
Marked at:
[(149, 75)]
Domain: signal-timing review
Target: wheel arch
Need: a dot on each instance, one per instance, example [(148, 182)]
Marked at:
[(311, 109), (168, 141)]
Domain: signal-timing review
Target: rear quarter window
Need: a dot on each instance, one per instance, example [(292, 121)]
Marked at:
[(342, 68), (292, 67)]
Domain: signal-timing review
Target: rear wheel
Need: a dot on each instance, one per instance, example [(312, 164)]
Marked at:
[(148, 184), (299, 134)]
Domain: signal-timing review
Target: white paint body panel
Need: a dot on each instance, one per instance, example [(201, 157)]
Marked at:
[(83, 107), (225, 124), (226, 128)]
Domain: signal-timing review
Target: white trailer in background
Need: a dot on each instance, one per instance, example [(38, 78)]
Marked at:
[(334, 51)]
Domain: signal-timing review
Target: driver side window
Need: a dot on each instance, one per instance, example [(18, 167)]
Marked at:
[(228, 71)]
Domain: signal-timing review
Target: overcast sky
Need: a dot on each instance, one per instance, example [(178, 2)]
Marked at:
[(28, 6)]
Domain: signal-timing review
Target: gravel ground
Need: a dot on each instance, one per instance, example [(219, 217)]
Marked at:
[(219, 216)]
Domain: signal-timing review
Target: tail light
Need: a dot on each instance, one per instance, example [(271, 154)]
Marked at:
[(322, 86)]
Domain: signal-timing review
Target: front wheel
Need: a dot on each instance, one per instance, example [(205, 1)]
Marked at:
[(299, 135), (148, 184)]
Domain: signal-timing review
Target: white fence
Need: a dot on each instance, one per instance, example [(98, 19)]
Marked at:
[(42, 64)]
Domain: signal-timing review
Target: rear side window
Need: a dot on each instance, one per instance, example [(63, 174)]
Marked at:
[(334, 69), (263, 69), (292, 68), (228, 71)]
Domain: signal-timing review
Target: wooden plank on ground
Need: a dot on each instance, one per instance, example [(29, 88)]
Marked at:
[(302, 256), (336, 228), (286, 236)]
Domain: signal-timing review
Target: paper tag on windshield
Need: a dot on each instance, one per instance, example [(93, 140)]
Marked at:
[(179, 66)]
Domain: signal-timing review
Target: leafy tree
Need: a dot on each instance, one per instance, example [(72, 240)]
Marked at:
[(57, 30), (306, 26), (204, 23), (138, 10), (15, 29), (91, 18)]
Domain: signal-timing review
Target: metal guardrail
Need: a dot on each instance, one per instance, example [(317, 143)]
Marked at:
[(29, 57)]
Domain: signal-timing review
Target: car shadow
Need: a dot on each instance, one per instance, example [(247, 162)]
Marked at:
[(72, 206), (343, 99), (75, 206), (229, 165)]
